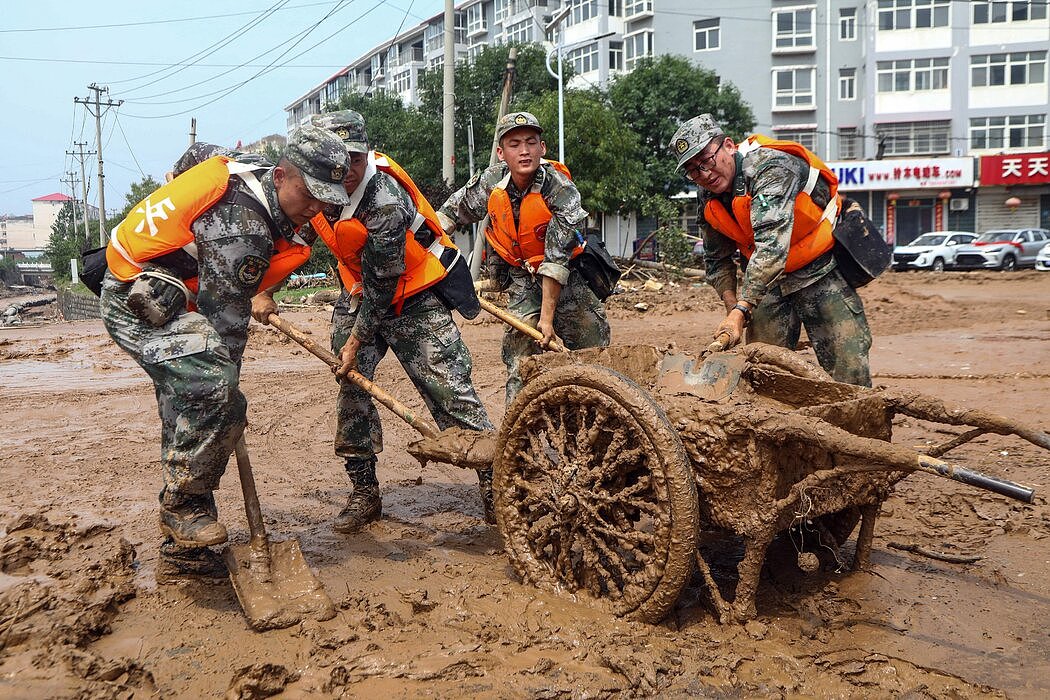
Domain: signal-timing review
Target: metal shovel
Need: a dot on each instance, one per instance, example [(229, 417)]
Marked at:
[(716, 377), (272, 580)]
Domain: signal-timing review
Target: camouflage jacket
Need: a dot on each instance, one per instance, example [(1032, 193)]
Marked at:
[(773, 179), (470, 204)]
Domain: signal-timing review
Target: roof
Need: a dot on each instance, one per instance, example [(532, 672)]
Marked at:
[(55, 197)]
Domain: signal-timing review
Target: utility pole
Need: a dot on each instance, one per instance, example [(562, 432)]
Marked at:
[(193, 130), (448, 134), (97, 114), (71, 180), (82, 155)]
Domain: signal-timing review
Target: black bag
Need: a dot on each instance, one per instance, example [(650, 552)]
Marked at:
[(860, 250), (597, 266), (456, 289), (93, 269)]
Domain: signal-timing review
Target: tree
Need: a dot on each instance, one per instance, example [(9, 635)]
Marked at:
[(139, 191), (602, 153), (67, 240), (657, 96), (479, 85)]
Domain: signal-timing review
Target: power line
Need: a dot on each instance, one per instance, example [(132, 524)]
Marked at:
[(328, 66), (116, 120)]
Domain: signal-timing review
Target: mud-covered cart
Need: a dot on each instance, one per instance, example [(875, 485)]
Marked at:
[(612, 464)]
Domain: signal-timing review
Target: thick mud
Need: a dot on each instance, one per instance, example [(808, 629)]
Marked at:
[(428, 603)]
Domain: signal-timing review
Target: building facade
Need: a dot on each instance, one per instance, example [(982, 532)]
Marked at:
[(873, 86)]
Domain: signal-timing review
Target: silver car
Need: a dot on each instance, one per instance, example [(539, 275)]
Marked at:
[(931, 251), (1004, 249)]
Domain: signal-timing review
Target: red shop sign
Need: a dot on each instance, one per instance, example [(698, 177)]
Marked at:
[(1016, 169)]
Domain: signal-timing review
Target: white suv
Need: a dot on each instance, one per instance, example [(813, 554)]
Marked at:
[(931, 251), (1005, 249)]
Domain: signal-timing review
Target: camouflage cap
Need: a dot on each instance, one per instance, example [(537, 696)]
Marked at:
[(693, 136), (348, 125), (323, 161), (514, 120)]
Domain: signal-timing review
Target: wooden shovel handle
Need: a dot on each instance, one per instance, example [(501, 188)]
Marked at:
[(518, 325), (403, 411)]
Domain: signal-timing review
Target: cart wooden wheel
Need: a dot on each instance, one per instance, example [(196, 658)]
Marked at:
[(594, 492)]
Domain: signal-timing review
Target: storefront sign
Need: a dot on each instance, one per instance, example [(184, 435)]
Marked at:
[(1016, 169), (903, 173)]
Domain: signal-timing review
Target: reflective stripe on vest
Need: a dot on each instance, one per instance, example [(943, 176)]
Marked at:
[(346, 239), (521, 245), (811, 234), (161, 223)]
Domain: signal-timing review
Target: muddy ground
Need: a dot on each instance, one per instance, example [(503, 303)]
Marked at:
[(428, 604)]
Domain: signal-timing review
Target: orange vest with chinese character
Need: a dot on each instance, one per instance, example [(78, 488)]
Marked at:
[(811, 235), (161, 224), (423, 266), (521, 245)]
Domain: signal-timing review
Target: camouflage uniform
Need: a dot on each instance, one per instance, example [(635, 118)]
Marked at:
[(815, 296), (423, 337), (579, 318), (194, 359)]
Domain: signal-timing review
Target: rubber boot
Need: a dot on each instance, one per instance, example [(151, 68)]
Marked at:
[(190, 519), (485, 488), (364, 504), (179, 564)]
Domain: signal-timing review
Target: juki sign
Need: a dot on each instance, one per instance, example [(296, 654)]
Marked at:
[(903, 173)]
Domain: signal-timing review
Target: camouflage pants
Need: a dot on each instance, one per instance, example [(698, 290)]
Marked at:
[(202, 410), (427, 342), (579, 320), (833, 315)]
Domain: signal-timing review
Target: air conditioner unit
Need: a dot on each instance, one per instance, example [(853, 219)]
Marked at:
[(958, 205)]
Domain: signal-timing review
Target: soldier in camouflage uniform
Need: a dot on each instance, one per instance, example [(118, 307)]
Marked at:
[(780, 294), (420, 332), (194, 358), (551, 296)]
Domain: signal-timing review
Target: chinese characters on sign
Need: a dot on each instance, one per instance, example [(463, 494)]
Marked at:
[(1016, 169), (903, 173)]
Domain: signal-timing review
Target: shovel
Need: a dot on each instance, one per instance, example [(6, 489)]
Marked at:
[(272, 580), (518, 325), (716, 377)]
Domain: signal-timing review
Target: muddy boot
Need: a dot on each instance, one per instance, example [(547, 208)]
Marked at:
[(190, 520), (485, 487), (179, 564), (364, 505)]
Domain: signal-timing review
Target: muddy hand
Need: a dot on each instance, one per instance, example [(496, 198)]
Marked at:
[(550, 339), (729, 331), (262, 306), (347, 357)]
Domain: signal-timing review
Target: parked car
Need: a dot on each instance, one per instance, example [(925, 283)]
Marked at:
[(1004, 249), (931, 251), (1042, 260)]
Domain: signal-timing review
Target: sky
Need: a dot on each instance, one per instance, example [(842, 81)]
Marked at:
[(233, 65)]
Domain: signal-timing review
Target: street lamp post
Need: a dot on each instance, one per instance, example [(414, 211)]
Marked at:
[(557, 50)]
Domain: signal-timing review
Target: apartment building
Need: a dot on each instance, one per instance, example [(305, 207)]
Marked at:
[(907, 99)]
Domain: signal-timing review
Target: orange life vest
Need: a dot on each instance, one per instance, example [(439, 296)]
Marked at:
[(161, 223), (811, 235), (423, 266), (522, 245)]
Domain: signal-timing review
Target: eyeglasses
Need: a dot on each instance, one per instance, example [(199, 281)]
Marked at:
[(704, 165)]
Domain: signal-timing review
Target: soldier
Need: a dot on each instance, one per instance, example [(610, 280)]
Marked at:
[(535, 217), (399, 275), (776, 203), (182, 269)]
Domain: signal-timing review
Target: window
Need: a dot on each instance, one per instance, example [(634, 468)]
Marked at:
[(474, 50), (1020, 131), (848, 143), (434, 35), (847, 83), (402, 82), (705, 34), (908, 14), (793, 87), (615, 56), (475, 19), (585, 58), (459, 27), (847, 23), (998, 12), (793, 29), (519, 32), (393, 56), (637, 7), (377, 66), (1017, 68), (912, 74), (807, 137), (616, 8), (582, 10), (636, 47), (914, 138), (504, 8)]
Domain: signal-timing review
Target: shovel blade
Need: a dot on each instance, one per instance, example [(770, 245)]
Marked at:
[(276, 591), (715, 379)]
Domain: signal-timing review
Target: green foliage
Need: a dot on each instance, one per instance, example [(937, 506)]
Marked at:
[(661, 93), (271, 152), (67, 240), (675, 249), (139, 191), (601, 152)]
